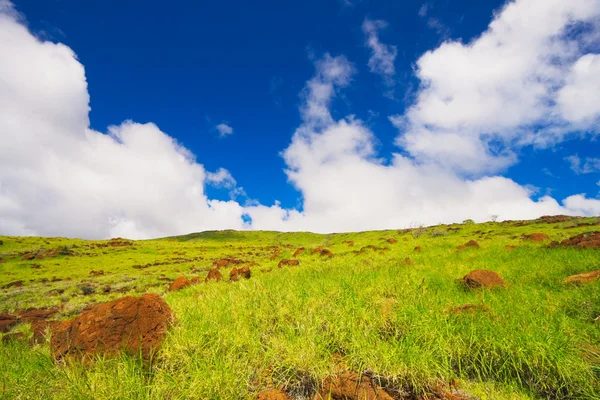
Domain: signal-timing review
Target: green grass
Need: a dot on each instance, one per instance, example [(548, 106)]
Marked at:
[(295, 326)]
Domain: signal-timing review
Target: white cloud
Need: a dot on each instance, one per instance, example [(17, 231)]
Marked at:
[(58, 177), (383, 56), (590, 164), (224, 129), (500, 91)]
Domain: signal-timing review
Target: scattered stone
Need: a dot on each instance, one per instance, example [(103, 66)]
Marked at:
[(580, 279), (273, 394), (213, 275), (299, 251), (482, 278), (351, 386), (535, 237), (470, 244), (290, 263), (135, 325), (179, 284)]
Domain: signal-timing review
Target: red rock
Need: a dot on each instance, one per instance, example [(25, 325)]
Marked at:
[(273, 394), (179, 284), (7, 321), (134, 325), (290, 263), (213, 275), (482, 278), (350, 386), (298, 252), (588, 240)]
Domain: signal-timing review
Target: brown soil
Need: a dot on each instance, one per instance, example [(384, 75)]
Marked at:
[(7, 321), (179, 284), (417, 249), (273, 394), (36, 266), (580, 279), (350, 243), (213, 275), (40, 328), (299, 251), (13, 284), (553, 219), (368, 247), (96, 273), (325, 253), (588, 240), (290, 263), (510, 247), (535, 237), (468, 308), (351, 386), (392, 241), (135, 325), (37, 314), (224, 262), (482, 278), (236, 274)]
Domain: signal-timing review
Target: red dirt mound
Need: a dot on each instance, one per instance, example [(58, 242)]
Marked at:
[(482, 278), (37, 314), (13, 337), (131, 324), (468, 308), (392, 241), (273, 394), (179, 284), (13, 284), (510, 247), (96, 273), (583, 278), (7, 321), (351, 386), (213, 275), (40, 328), (326, 253), (417, 249), (368, 247), (298, 252), (350, 243), (291, 263), (588, 240), (535, 237)]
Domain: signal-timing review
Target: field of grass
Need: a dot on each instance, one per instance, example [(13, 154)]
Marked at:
[(389, 311)]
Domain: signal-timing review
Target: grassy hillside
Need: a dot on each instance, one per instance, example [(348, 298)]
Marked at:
[(388, 310)]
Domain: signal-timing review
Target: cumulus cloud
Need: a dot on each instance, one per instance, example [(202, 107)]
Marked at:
[(517, 84), (59, 177), (383, 56), (224, 129)]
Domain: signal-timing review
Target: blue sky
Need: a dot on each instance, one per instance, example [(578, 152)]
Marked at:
[(229, 82)]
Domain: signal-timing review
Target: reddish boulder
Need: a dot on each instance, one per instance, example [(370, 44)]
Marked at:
[(351, 386), (213, 275), (299, 251), (587, 277), (134, 325), (273, 394), (535, 237), (179, 284), (482, 278), (470, 244), (290, 263), (7, 321)]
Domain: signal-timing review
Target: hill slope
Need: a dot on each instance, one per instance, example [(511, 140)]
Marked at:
[(386, 303)]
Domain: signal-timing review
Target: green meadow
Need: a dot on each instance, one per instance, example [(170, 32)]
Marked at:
[(386, 310)]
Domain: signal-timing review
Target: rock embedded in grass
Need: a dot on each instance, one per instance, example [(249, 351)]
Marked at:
[(273, 394), (298, 252), (588, 240), (470, 244), (482, 278), (535, 237), (134, 325), (580, 279), (7, 321), (213, 275), (179, 284), (351, 386), (290, 263)]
